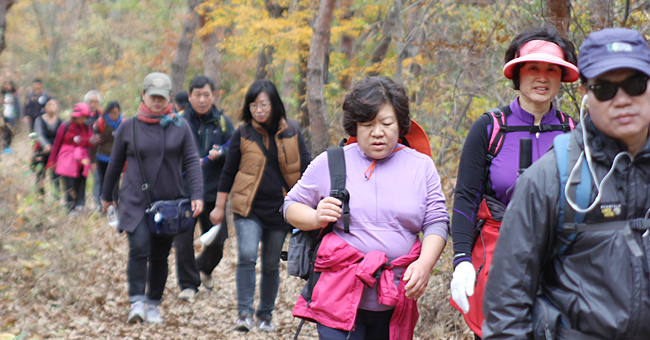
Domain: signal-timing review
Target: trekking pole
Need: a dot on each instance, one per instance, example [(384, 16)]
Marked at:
[(525, 154)]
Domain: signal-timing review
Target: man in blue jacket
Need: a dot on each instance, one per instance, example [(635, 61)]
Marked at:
[(212, 129)]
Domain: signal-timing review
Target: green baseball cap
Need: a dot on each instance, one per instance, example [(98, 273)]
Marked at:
[(157, 84)]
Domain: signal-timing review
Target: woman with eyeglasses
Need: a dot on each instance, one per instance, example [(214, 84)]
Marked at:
[(537, 62), (266, 156)]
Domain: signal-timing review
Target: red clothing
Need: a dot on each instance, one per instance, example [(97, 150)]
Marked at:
[(344, 272), (68, 155)]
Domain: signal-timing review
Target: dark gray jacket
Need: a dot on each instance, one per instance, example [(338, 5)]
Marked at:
[(598, 285), (166, 153)]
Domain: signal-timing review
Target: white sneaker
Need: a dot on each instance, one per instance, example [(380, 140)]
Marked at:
[(187, 294), (153, 315), (244, 323), (137, 312), (207, 280), (265, 325)]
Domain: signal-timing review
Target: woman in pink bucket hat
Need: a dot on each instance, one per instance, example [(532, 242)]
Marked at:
[(537, 62), (70, 156)]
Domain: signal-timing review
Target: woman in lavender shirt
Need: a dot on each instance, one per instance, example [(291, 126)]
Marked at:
[(395, 194)]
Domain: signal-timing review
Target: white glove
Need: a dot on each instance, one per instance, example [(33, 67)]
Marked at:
[(462, 284)]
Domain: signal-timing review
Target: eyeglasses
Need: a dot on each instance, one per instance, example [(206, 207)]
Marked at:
[(634, 86), (253, 107)]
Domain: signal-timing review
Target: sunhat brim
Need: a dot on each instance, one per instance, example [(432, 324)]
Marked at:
[(569, 74)]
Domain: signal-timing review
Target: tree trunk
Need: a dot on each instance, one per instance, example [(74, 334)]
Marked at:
[(4, 7), (559, 15), (346, 44), (211, 56), (264, 59), (315, 69), (388, 30), (302, 90), (184, 47), (601, 15)]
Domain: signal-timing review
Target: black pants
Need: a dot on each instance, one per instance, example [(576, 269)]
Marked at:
[(147, 264), (368, 326), (101, 172), (186, 265), (75, 191), (7, 135)]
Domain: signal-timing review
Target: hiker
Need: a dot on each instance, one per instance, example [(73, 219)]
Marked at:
[(572, 259), (92, 98), (34, 103), (105, 128), (395, 194), (46, 127), (166, 149), (10, 112), (211, 129), (537, 61), (181, 102), (266, 156), (70, 156)]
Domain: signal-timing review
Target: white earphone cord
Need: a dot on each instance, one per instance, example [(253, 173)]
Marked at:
[(586, 154)]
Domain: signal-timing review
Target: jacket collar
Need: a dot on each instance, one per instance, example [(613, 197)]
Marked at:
[(528, 118), (282, 125), (194, 117)]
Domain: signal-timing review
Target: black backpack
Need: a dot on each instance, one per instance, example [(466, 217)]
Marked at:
[(303, 245)]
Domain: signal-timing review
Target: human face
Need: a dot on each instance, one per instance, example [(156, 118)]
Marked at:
[(623, 117), (378, 137), (114, 113), (261, 109), (155, 103), (93, 103), (52, 107), (201, 99), (7, 86), (539, 82), (37, 88)]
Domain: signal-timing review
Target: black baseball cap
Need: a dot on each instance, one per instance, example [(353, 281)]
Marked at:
[(613, 48)]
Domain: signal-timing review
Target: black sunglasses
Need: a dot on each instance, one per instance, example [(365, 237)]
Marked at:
[(606, 90)]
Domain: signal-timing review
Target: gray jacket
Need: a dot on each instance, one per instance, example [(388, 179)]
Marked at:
[(166, 153), (598, 286)]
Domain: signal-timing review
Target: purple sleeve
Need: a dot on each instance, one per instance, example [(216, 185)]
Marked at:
[(313, 186), (436, 217)]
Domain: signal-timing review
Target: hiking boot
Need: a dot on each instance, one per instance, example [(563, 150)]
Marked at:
[(244, 323), (264, 324), (207, 280), (187, 294), (137, 312), (153, 315)]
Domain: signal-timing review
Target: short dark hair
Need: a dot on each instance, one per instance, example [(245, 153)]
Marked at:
[(257, 87), (547, 33), (199, 82), (368, 96), (111, 105), (181, 99), (37, 80)]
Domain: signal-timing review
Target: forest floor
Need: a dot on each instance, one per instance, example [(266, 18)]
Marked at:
[(64, 277)]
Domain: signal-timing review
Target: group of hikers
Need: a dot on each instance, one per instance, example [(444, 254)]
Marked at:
[(556, 251)]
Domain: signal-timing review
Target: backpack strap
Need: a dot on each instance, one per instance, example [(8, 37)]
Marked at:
[(567, 155), (336, 163)]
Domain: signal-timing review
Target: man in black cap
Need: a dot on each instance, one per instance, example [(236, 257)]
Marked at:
[(212, 130), (34, 103), (573, 257)]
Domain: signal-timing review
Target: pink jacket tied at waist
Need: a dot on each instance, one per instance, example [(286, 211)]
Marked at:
[(344, 273)]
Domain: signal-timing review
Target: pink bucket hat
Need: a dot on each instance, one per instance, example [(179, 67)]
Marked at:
[(80, 110), (544, 51)]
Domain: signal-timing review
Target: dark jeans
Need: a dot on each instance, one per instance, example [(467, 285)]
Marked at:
[(249, 236), (99, 182), (147, 264), (75, 191), (369, 326), (7, 135), (187, 267)]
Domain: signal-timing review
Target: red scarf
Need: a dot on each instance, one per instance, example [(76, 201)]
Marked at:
[(145, 115)]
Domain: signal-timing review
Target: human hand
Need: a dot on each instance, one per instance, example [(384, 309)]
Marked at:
[(197, 207), (462, 284), (328, 211), (417, 276), (215, 153), (216, 215), (105, 205), (47, 148)]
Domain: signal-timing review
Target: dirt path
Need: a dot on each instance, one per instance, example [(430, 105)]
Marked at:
[(65, 278)]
